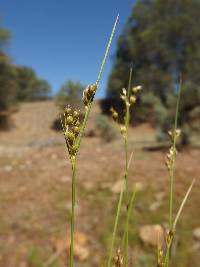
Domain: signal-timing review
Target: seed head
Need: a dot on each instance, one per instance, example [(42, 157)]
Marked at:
[(71, 129), (69, 120), (136, 89), (76, 114), (67, 110), (70, 136), (123, 130), (88, 94), (132, 99), (76, 130), (169, 237), (178, 132), (124, 92), (114, 114), (118, 259), (160, 262), (123, 97)]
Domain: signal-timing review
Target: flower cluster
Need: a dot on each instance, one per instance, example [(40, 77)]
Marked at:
[(114, 114), (171, 155), (118, 259), (130, 99), (88, 94), (71, 129)]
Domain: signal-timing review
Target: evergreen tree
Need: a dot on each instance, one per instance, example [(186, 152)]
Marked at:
[(7, 74), (30, 87), (161, 40)]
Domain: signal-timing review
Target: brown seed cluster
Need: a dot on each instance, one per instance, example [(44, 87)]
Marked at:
[(118, 259), (88, 94), (71, 129)]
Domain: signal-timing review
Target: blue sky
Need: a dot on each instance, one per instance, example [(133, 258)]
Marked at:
[(63, 39)]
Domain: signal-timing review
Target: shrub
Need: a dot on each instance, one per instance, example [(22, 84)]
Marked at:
[(7, 83), (105, 128), (70, 93), (30, 87)]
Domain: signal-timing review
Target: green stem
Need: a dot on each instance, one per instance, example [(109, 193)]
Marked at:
[(174, 160), (126, 122), (97, 82), (107, 49), (129, 213), (73, 202), (171, 174), (115, 226), (78, 143)]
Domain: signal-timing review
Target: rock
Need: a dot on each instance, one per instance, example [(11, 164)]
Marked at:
[(117, 187), (8, 168), (196, 233), (152, 234)]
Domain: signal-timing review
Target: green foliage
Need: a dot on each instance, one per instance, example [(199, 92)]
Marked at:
[(105, 128), (17, 83), (189, 117), (70, 93), (34, 258), (30, 87), (7, 74), (161, 39), (7, 83)]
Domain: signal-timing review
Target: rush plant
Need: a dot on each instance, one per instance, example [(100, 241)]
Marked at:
[(74, 129), (73, 133)]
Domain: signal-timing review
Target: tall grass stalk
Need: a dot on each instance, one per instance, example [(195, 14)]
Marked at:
[(115, 225), (171, 168), (128, 99), (126, 122), (78, 142), (130, 208)]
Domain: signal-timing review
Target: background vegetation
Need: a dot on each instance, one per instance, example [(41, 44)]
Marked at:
[(18, 83), (161, 41)]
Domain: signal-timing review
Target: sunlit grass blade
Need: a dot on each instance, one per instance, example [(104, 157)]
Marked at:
[(77, 145), (115, 226), (130, 208), (182, 205)]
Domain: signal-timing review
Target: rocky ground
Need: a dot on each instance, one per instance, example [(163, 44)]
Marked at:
[(35, 194)]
